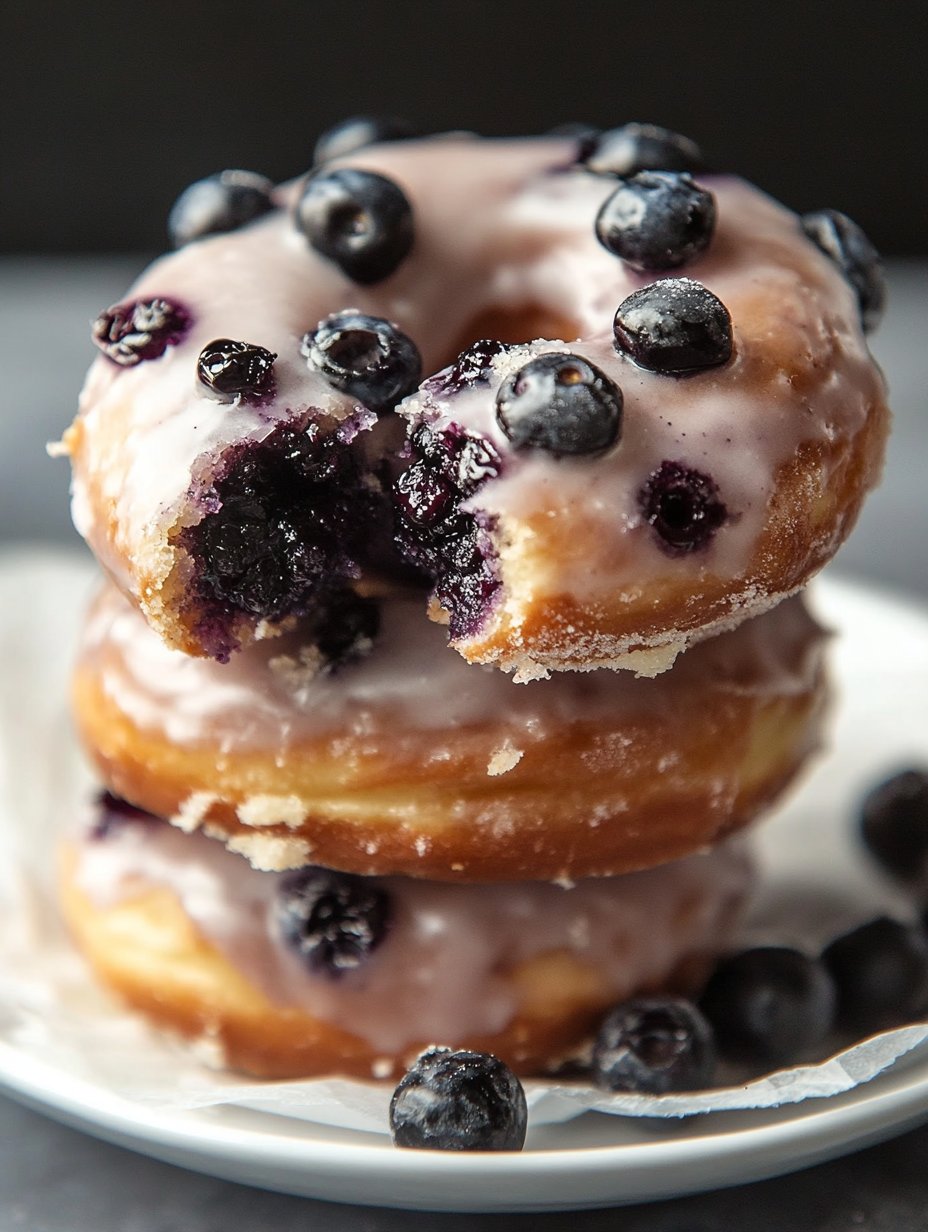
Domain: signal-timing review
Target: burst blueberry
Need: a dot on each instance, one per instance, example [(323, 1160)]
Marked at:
[(674, 326), (459, 1101), (229, 370), (683, 506), (472, 368), (894, 824), (642, 147), (333, 921), (366, 357), (881, 973), (654, 1045), (358, 132), (841, 239), (360, 220), (560, 403), (220, 203), (140, 330), (657, 220)]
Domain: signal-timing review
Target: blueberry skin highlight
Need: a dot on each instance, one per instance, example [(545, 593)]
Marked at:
[(366, 357), (657, 220), (841, 239), (228, 370), (674, 326), (654, 1045), (562, 404), (220, 203)]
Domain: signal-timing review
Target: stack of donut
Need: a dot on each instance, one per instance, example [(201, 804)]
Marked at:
[(454, 503)]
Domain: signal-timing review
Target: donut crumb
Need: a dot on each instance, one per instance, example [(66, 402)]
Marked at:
[(504, 759)]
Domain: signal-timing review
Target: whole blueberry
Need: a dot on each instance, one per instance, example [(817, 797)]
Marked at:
[(333, 921), (881, 973), (357, 132), (459, 1101), (841, 239), (222, 202), (229, 370), (674, 326), (366, 357), (683, 506), (642, 147), (654, 1045), (657, 220), (769, 1004), (140, 330), (359, 220), (560, 403), (894, 824)]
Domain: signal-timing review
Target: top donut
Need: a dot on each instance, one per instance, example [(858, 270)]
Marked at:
[(601, 401)]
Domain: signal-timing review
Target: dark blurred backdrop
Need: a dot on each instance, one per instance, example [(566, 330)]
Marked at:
[(111, 107)]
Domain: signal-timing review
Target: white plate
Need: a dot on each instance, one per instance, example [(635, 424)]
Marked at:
[(880, 658)]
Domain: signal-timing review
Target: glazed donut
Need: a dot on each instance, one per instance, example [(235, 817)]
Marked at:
[(196, 939), (381, 751), (637, 452)]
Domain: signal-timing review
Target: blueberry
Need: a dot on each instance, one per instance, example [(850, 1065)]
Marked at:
[(642, 147), (366, 357), (654, 1045), (674, 326), (769, 1004), (472, 368), (358, 219), (881, 973), (222, 202), (683, 507), (560, 403), (657, 220), (236, 369), (585, 135), (113, 813), (459, 1101), (894, 824), (345, 628), (333, 921), (140, 330), (357, 132), (846, 244)]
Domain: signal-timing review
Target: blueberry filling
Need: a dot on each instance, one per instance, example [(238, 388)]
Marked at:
[(560, 403), (840, 238), (366, 357), (356, 133), (333, 921), (434, 535), (657, 220), (683, 507), (654, 1045), (471, 369), (359, 220), (642, 147), (222, 202), (345, 628), (143, 329), (230, 370), (674, 326), (112, 813)]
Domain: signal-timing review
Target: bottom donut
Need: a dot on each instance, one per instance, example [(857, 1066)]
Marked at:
[(312, 973)]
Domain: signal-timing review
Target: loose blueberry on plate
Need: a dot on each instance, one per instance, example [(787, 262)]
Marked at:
[(657, 220), (654, 1045), (894, 824), (769, 1004), (683, 507), (674, 326), (357, 132), (333, 921), (642, 147), (230, 369), (140, 330), (560, 403), (366, 357), (220, 203), (359, 220), (459, 1101), (841, 239), (881, 973)]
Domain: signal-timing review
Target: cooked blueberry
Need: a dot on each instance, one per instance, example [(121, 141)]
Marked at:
[(346, 628), (654, 1045), (472, 367), (683, 506), (358, 219), (222, 202), (231, 370), (769, 1004), (674, 326), (642, 147), (894, 824), (357, 132), (560, 403), (657, 220), (112, 813), (459, 1101), (142, 329), (881, 973), (841, 239), (366, 357), (333, 921)]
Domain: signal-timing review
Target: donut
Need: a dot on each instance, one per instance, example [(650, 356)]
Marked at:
[(614, 401), (364, 743), (313, 972)]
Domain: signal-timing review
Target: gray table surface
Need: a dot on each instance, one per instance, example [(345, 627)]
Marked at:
[(53, 1179)]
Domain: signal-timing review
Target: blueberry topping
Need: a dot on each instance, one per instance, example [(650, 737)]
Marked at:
[(894, 824), (358, 219), (231, 370), (143, 329), (357, 132), (560, 403), (459, 1101), (112, 813), (366, 357), (346, 628), (881, 973), (222, 202), (654, 1045), (657, 220), (471, 369), (683, 506), (674, 326), (642, 147), (846, 244), (333, 921), (770, 1004)]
